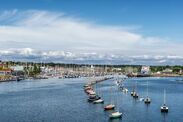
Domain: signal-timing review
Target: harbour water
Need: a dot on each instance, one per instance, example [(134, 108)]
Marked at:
[(63, 100)]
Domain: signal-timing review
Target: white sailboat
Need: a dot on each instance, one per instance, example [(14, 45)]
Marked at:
[(133, 91), (164, 107), (99, 101), (147, 100), (135, 95), (116, 114)]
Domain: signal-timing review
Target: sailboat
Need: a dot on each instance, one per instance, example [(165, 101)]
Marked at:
[(93, 96), (135, 95), (147, 100), (110, 106), (133, 91), (98, 101), (164, 107), (116, 114)]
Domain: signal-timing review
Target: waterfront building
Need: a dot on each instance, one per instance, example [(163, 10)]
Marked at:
[(4, 72), (167, 71), (145, 70), (17, 68)]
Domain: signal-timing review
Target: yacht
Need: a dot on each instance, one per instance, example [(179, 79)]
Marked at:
[(115, 115), (147, 100), (110, 106), (164, 107)]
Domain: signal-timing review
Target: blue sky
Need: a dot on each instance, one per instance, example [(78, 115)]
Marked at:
[(156, 17), (136, 28)]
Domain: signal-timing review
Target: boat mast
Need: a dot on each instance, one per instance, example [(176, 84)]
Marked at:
[(96, 90), (99, 90), (117, 108), (111, 95), (136, 86), (133, 87), (164, 96), (147, 88)]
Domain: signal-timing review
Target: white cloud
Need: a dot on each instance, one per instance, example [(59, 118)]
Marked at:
[(54, 34), (162, 61), (28, 54)]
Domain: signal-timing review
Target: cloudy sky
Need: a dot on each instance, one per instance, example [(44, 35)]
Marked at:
[(120, 32)]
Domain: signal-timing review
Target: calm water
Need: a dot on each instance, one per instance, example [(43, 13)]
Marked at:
[(58, 100)]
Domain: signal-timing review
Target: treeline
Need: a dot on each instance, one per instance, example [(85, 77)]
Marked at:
[(52, 64), (33, 71), (175, 69), (124, 68)]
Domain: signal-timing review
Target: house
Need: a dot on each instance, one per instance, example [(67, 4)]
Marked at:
[(4, 72), (145, 70), (167, 71), (17, 68)]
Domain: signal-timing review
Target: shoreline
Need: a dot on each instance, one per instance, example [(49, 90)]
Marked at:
[(157, 75)]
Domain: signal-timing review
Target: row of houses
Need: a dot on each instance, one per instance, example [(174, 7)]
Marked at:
[(9, 73)]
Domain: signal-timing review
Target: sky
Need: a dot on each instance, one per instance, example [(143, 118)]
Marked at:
[(92, 31)]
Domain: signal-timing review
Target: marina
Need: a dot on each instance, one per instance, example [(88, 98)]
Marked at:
[(91, 61), (64, 100)]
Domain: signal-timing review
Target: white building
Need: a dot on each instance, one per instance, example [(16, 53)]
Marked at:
[(17, 68), (145, 70)]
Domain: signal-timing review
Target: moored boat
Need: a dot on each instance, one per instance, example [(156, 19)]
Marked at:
[(164, 107), (109, 107), (91, 99), (98, 101), (132, 93), (88, 88), (135, 95), (147, 100), (115, 115), (125, 90)]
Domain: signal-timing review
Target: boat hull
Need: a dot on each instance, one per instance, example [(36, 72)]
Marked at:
[(98, 102), (164, 110), (93, 99), (147, 101), (135, 96), (116, 116), (131, 93), (111, 107)]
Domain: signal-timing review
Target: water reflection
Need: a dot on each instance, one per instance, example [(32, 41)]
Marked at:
[(164, 115)]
